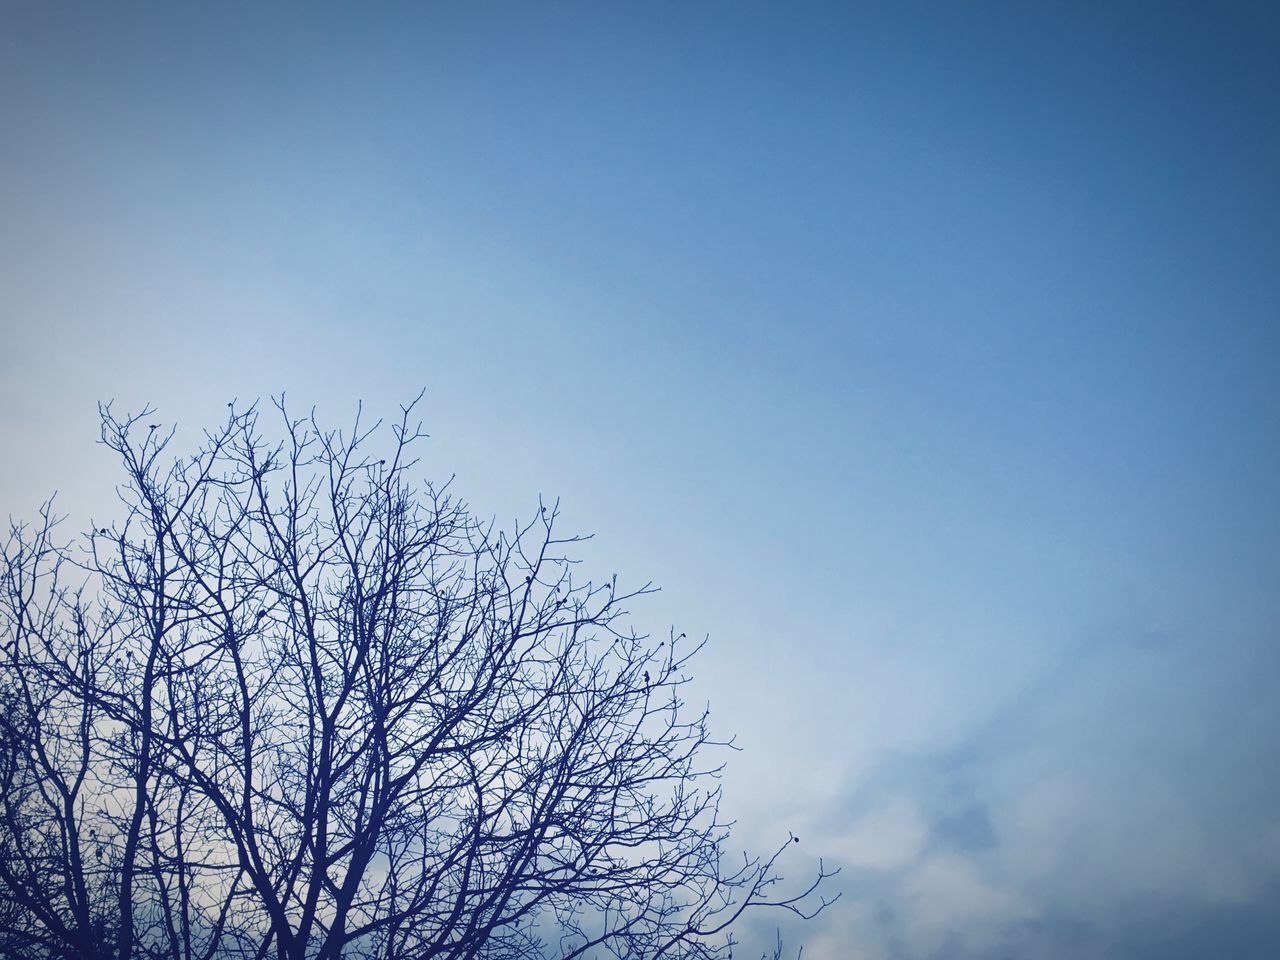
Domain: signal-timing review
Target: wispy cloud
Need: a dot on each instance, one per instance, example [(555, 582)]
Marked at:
[(1086, 817)]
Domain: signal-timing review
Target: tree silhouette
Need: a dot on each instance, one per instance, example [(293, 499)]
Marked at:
[(293, 703)]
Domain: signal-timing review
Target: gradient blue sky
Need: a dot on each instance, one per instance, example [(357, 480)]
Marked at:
[(928, 356)]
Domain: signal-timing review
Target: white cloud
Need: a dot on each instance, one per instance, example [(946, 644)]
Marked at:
[(948, 894), (889, 837)]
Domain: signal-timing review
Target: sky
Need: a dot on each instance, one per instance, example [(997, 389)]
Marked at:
[(927, 355)]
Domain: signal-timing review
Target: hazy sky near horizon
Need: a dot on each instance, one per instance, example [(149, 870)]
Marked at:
[(927, 355)]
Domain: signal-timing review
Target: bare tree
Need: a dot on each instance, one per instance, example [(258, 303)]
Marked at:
[(293, 703)]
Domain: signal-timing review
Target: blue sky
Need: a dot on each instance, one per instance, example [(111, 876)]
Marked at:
[(926, 355)]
